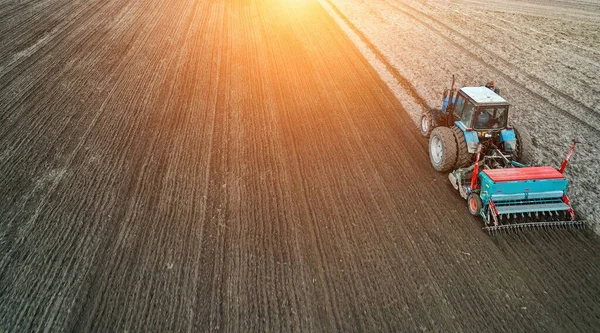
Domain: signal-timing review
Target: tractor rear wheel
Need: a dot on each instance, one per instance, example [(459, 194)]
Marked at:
[(474, 204), (442, 149), (463, 157), (522, 151), (426, 123)]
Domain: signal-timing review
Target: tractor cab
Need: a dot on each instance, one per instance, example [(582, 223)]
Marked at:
[(480, 109)]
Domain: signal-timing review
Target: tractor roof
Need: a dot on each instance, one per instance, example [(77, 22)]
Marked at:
[(483, 95)]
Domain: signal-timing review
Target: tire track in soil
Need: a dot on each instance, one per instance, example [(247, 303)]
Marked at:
[(593, 118), (528, 30), (404, 82), (249, 172)]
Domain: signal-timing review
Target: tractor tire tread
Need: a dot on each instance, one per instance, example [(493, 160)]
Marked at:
[(463, 157), (449, 154)]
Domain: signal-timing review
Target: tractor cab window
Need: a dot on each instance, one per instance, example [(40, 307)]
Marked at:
[(491, 117), (463, 110)]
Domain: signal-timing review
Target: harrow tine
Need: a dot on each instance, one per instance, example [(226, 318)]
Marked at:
[(514, 228)]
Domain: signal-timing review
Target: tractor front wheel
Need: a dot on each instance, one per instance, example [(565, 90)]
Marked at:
[(426, 123), (442, 149), (474, 204)]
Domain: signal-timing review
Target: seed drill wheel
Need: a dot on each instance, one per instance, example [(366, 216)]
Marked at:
[(442, 149), (474, 204)]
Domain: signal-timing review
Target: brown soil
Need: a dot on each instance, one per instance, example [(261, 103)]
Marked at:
[(239, 166)]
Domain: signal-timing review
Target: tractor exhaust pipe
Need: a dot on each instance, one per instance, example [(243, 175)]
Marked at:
[(450, 94)]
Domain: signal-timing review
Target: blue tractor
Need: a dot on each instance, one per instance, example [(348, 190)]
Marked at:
[(471, 116), (488, 160)]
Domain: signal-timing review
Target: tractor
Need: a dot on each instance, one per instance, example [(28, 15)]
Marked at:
[(470, 116), (488, 162)]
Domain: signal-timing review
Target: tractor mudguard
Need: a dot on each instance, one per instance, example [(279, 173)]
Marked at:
[(508, 137), (446, 102), (470, 137)]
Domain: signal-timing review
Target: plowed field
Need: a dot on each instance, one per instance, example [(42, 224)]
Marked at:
[(240, 166)]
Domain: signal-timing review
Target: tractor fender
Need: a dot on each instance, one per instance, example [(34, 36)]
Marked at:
[(470, 137), (508, 137), (447, 102)]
